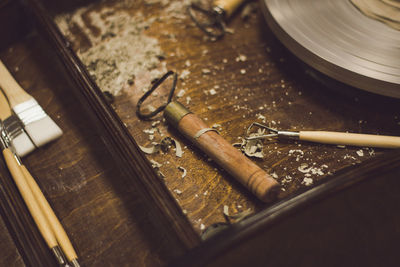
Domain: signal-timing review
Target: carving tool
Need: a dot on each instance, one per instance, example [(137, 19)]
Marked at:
[(207, 139), (44, 217), (39, 126), (326, 137), (221, 10)]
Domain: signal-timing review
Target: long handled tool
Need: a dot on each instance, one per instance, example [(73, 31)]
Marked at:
[(214, 22), (43, 215), (326, 137), (207, 139)]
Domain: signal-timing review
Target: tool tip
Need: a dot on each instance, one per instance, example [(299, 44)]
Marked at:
[(75, 263)]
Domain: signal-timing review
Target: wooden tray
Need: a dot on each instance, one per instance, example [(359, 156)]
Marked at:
[(117, 209)]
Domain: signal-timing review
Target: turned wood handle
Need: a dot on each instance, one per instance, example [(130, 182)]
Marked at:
[(29, 198), (351, 139), (55, 224), (243, 169), (12, 89), (228, 5), (5, 110)]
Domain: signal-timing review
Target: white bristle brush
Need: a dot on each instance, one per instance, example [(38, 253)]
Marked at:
[(39, 126)]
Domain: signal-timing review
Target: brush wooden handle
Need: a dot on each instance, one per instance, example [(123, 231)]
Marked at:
[(15, 93), (29, 198), (228, 5), (55, 224), (352, 139), (5, 110), (244, 170)]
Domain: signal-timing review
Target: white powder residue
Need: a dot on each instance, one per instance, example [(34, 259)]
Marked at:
[(119, 50)]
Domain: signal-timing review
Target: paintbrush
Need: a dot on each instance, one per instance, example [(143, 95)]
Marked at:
[(57, 237), (39, 126), (23, 187)]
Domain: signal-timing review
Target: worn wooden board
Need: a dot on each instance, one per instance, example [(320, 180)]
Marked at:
[(255, 79), (104, 218)]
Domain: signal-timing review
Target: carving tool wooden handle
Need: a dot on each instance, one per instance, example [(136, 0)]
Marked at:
[(58, 229), (29, 198), (352, 139), (15, 93), (229, 6), (244, 170)]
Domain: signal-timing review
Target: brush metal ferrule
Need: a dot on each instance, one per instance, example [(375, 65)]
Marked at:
[(5, 141), (29, 111), (13, 126)]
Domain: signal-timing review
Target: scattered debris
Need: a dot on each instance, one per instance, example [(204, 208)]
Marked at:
[(164, 146), (213, 92), (251, 148), (226, 210), (307, 181), (206, 71), (177, 191), (242, 58), (360, 153), (180, 93), (183, 170), (155, 164), (117, 47)]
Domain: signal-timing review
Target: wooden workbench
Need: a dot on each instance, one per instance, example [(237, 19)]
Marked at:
[(255, 79)]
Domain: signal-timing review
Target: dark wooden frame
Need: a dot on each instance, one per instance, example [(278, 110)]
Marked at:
[(138, 171)]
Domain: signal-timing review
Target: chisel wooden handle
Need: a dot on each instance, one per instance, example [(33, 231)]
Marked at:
[(29, 198), (55, 224), (352, 139), (244, 170), (229, 6)]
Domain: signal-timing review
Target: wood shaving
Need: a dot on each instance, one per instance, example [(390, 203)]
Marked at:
[(180, 93), (155, 164), (251, 148), (307, 181), (164, 145), (183, 170), (213, 92), (150, 150), (226, 210), (177, 191)]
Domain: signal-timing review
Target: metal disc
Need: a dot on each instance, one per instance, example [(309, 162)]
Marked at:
[(335, 38)]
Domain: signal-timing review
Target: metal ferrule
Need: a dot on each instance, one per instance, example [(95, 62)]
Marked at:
[(13, 126), (289, 135), (29, 111), (219, 11), (5, 141), (174, 112), (75, 263), (59, 255)]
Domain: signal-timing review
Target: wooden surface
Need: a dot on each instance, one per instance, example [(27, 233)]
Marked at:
[(253, 76), (346, 225), (255, 79), (105, 220)]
